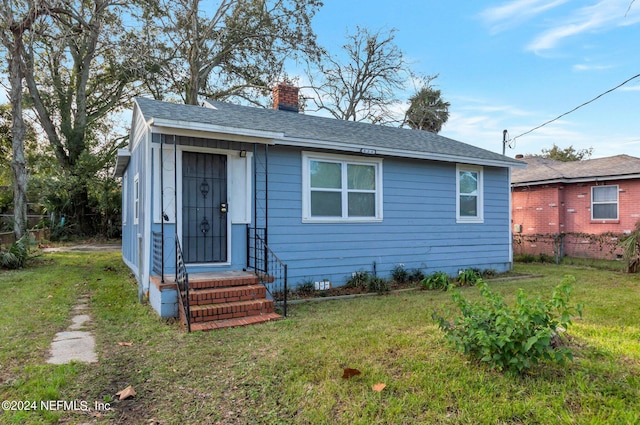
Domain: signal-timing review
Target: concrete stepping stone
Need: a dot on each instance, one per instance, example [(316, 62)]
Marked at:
[(75, 344)]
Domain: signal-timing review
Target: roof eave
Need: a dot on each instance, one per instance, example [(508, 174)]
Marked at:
[(122, 162), (402, 153), (568, 180), (216, 131)]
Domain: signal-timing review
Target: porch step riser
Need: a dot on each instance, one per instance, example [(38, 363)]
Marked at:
[(222, 283), (230, 310), (227, 295)]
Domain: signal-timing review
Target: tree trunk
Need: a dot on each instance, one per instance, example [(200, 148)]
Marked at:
[(18, 131)]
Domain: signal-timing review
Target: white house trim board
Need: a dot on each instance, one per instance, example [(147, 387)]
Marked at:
[(510, 217), (393, 152), (163, 196), (214, 131), (145, 253)]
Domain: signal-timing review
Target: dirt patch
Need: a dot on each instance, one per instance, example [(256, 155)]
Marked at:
[(107, 247)]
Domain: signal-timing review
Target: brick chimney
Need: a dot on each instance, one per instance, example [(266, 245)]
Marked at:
[(285, 97)]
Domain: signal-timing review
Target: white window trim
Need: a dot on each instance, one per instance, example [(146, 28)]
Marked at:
[(479, 218), (136, 198), (344, 159), (597, 203), (125, 201)]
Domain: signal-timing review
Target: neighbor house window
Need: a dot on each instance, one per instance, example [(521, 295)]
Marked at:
[(604, 202), (136, 199), (469, 202), (341, 188)]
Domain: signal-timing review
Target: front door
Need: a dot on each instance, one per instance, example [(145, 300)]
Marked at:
[(204, 207)]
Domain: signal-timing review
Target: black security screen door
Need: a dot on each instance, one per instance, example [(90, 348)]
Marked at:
[(204, 207)]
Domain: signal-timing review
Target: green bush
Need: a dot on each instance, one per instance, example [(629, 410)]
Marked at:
[(544, 258), (400, 274), (525, 258), (512, 338), (416, 275), (469, 277), (16, 256), (378, 284), (436, 280), (358, 279), (306, 287)]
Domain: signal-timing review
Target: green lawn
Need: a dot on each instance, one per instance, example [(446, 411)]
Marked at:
[(290, 371)]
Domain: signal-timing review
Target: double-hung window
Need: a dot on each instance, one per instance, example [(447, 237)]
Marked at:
[(604, 202), (341, 188), (469, 194)]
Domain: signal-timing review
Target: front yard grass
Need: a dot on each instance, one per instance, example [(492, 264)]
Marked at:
[(290, 371)]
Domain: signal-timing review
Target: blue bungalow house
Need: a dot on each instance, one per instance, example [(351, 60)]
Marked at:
[(224, 200)]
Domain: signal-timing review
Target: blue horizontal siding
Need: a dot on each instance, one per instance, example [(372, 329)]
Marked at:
[(418, 229)]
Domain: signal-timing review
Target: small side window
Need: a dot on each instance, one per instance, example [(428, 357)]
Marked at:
[(469, 194)]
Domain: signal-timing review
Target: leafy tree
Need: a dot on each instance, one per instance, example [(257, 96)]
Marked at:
[(363, 86), (427, 110), (631, 249), (566, 155), (79, 69), (236, 53), (6, 154), (17, 19)]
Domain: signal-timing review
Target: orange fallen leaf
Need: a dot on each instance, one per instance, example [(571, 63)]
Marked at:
[(378, 387), (125, 344), (350, 373), (126, 393)]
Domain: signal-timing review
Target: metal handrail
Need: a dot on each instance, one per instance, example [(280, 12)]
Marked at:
[(271, 271), (182, 281)]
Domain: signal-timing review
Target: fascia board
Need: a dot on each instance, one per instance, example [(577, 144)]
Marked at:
[(317, 144), (577, 180), (217, 131), (122, 162)]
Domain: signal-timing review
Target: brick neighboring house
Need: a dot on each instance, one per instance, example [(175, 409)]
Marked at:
[(576, 209)]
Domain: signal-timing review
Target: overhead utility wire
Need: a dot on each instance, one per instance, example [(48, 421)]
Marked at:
[(577, 107)]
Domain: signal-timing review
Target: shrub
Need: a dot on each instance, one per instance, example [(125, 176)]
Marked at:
[(436, 280), (512, 338), (469, 277), (307, 287), (525, 258), (400, 274), (489, 273), (544, 258), (358, 279), (378, 284), (416, 275), (16, 256)]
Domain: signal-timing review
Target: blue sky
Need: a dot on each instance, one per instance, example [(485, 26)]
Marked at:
[(516, 64)]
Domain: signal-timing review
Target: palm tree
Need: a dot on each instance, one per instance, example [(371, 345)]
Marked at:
[(427, 110)]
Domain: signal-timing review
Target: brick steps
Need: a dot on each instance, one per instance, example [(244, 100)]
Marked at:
[(206, 313), (230, 323), (222, 295), (227, 299)]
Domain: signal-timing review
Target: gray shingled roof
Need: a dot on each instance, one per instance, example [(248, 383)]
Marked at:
[(320, 129), (544, 170)]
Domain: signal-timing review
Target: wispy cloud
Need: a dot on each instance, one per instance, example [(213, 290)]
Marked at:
[(601, 16), (590, 67), (630, 88), (598, 16), (513, 13)]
